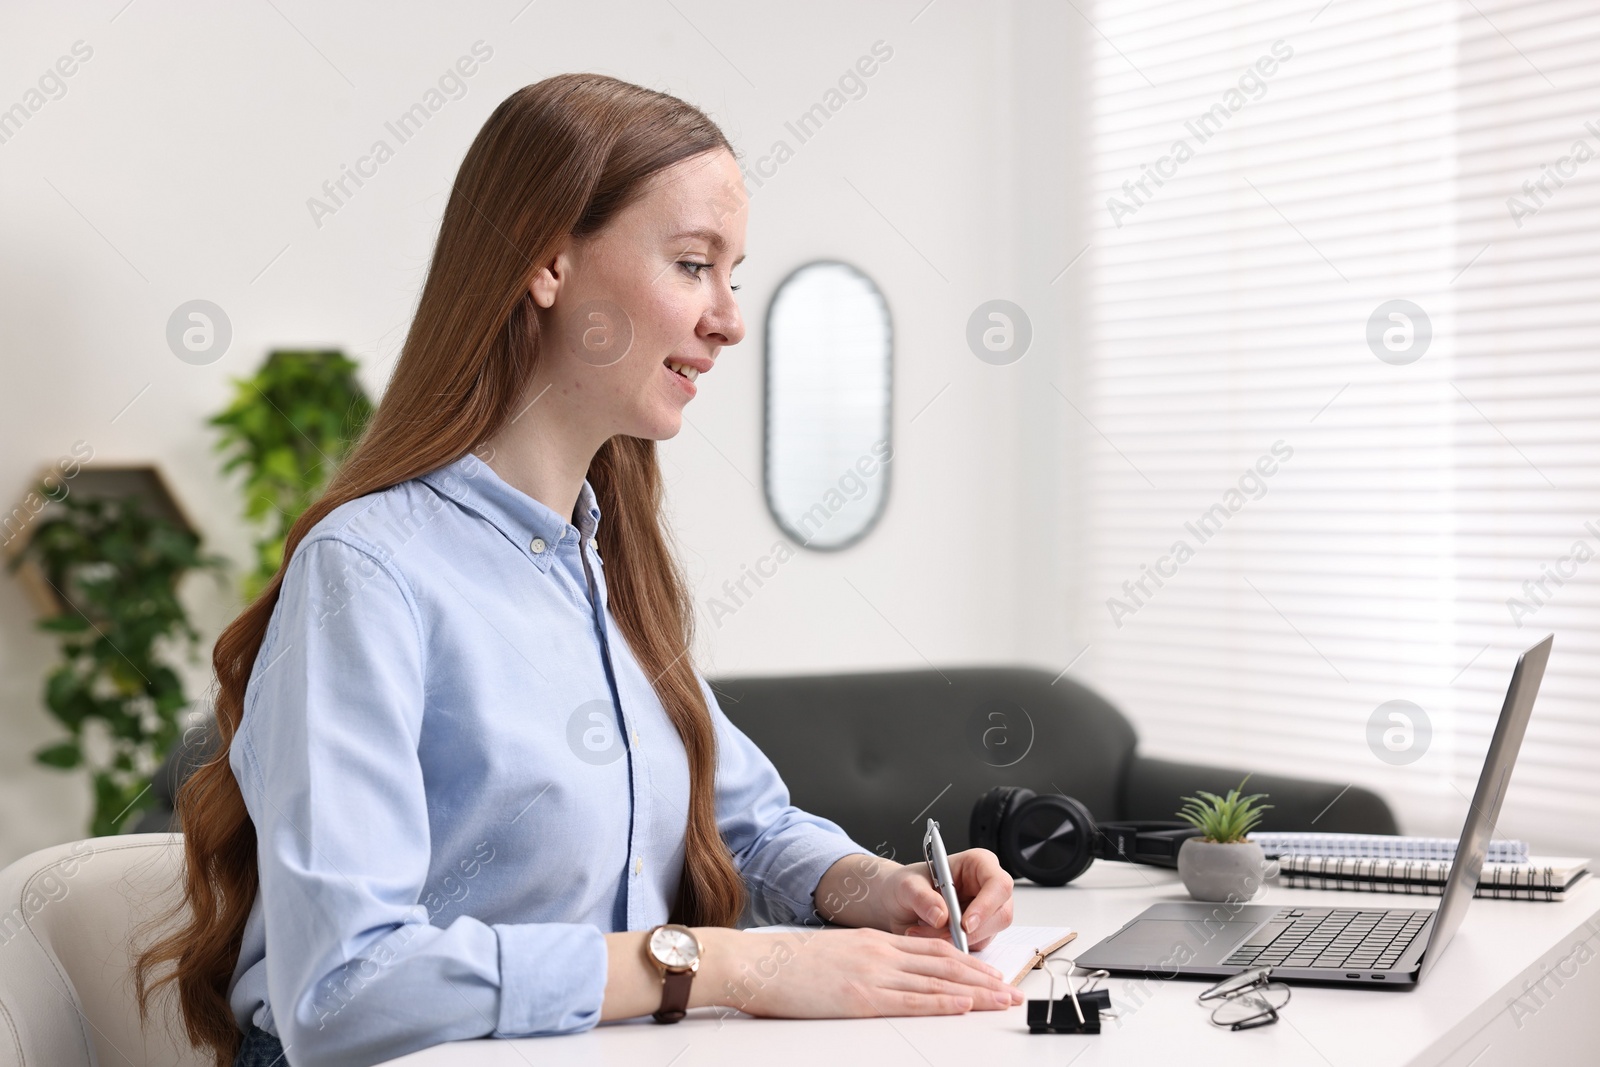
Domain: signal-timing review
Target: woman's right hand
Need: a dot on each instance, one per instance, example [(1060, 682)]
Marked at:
[(833, 974)]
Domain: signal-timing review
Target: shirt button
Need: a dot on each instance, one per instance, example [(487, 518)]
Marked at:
[(594, 544), (638, 864), (537, 545)]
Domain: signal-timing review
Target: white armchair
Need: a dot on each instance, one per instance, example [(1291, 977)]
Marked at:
[(67, 915)]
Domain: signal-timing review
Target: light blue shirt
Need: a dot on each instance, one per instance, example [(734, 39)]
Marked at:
[(460, 776)]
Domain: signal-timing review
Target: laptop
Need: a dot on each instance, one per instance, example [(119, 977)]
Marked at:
[(1347, 946)]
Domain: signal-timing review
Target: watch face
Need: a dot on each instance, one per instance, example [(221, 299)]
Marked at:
[(675, 947)]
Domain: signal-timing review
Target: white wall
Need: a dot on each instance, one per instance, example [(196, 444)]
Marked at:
[(178, 163)]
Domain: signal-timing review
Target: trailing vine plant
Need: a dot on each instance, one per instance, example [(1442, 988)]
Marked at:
[(116, 568)]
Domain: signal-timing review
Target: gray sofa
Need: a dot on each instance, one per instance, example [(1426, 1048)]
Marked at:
[(879, 751)]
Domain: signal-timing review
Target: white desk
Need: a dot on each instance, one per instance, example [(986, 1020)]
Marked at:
[(1467, 1012)]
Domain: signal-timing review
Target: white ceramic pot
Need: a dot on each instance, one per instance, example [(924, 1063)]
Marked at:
[(1231, 872)]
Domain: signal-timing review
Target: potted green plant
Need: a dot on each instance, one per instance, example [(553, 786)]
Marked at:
[(1221, 864), (289, 427), (114, 566)]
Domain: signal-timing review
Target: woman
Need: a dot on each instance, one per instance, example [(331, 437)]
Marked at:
[(468, 767)]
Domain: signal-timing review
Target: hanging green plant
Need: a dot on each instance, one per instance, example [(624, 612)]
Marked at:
[(116, 568), (289, 427)]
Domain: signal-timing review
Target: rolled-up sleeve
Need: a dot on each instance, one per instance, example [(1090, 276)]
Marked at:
[(781, 851), (327, 759)]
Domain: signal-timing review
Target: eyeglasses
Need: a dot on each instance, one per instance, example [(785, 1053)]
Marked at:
[(1247, 1000)]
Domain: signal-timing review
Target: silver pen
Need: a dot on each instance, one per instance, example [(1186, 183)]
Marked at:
[(939, 871)]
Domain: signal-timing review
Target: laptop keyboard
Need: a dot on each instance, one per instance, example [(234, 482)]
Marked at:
[(1316, 937)]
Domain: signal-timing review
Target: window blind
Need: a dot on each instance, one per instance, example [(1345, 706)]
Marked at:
[(1340, 392)]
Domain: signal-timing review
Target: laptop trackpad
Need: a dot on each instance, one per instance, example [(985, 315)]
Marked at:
[(1164, 944)]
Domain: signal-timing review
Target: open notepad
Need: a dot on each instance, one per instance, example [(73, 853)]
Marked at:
[(1013, 952)]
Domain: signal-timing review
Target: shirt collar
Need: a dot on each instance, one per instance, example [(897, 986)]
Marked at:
[(473, 485)]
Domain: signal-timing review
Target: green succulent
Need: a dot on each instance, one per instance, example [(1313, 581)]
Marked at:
[(1224, 820)]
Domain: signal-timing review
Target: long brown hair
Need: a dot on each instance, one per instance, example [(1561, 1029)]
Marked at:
[(559, 157)]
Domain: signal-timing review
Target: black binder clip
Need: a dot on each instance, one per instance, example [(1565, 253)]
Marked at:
[(1079, 1012)]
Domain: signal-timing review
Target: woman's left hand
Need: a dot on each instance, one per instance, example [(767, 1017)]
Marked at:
[(915, 907)]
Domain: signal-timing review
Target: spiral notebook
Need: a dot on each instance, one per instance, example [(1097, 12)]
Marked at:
[(1379, 846), (1540, 878)]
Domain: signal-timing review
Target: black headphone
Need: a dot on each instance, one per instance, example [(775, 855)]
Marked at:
[(1052, 839)]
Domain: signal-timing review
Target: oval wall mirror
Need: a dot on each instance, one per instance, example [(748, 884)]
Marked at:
[(828, 449)]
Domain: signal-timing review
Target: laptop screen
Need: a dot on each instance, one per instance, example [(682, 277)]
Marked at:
[(1486, 801)]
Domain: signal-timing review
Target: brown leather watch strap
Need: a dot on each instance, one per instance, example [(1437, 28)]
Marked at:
[(674, 996)]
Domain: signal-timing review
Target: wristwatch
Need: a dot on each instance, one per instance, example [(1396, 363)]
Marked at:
[(675, 951)]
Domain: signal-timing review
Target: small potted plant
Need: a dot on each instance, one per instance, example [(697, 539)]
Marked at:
[(1220, 864)]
